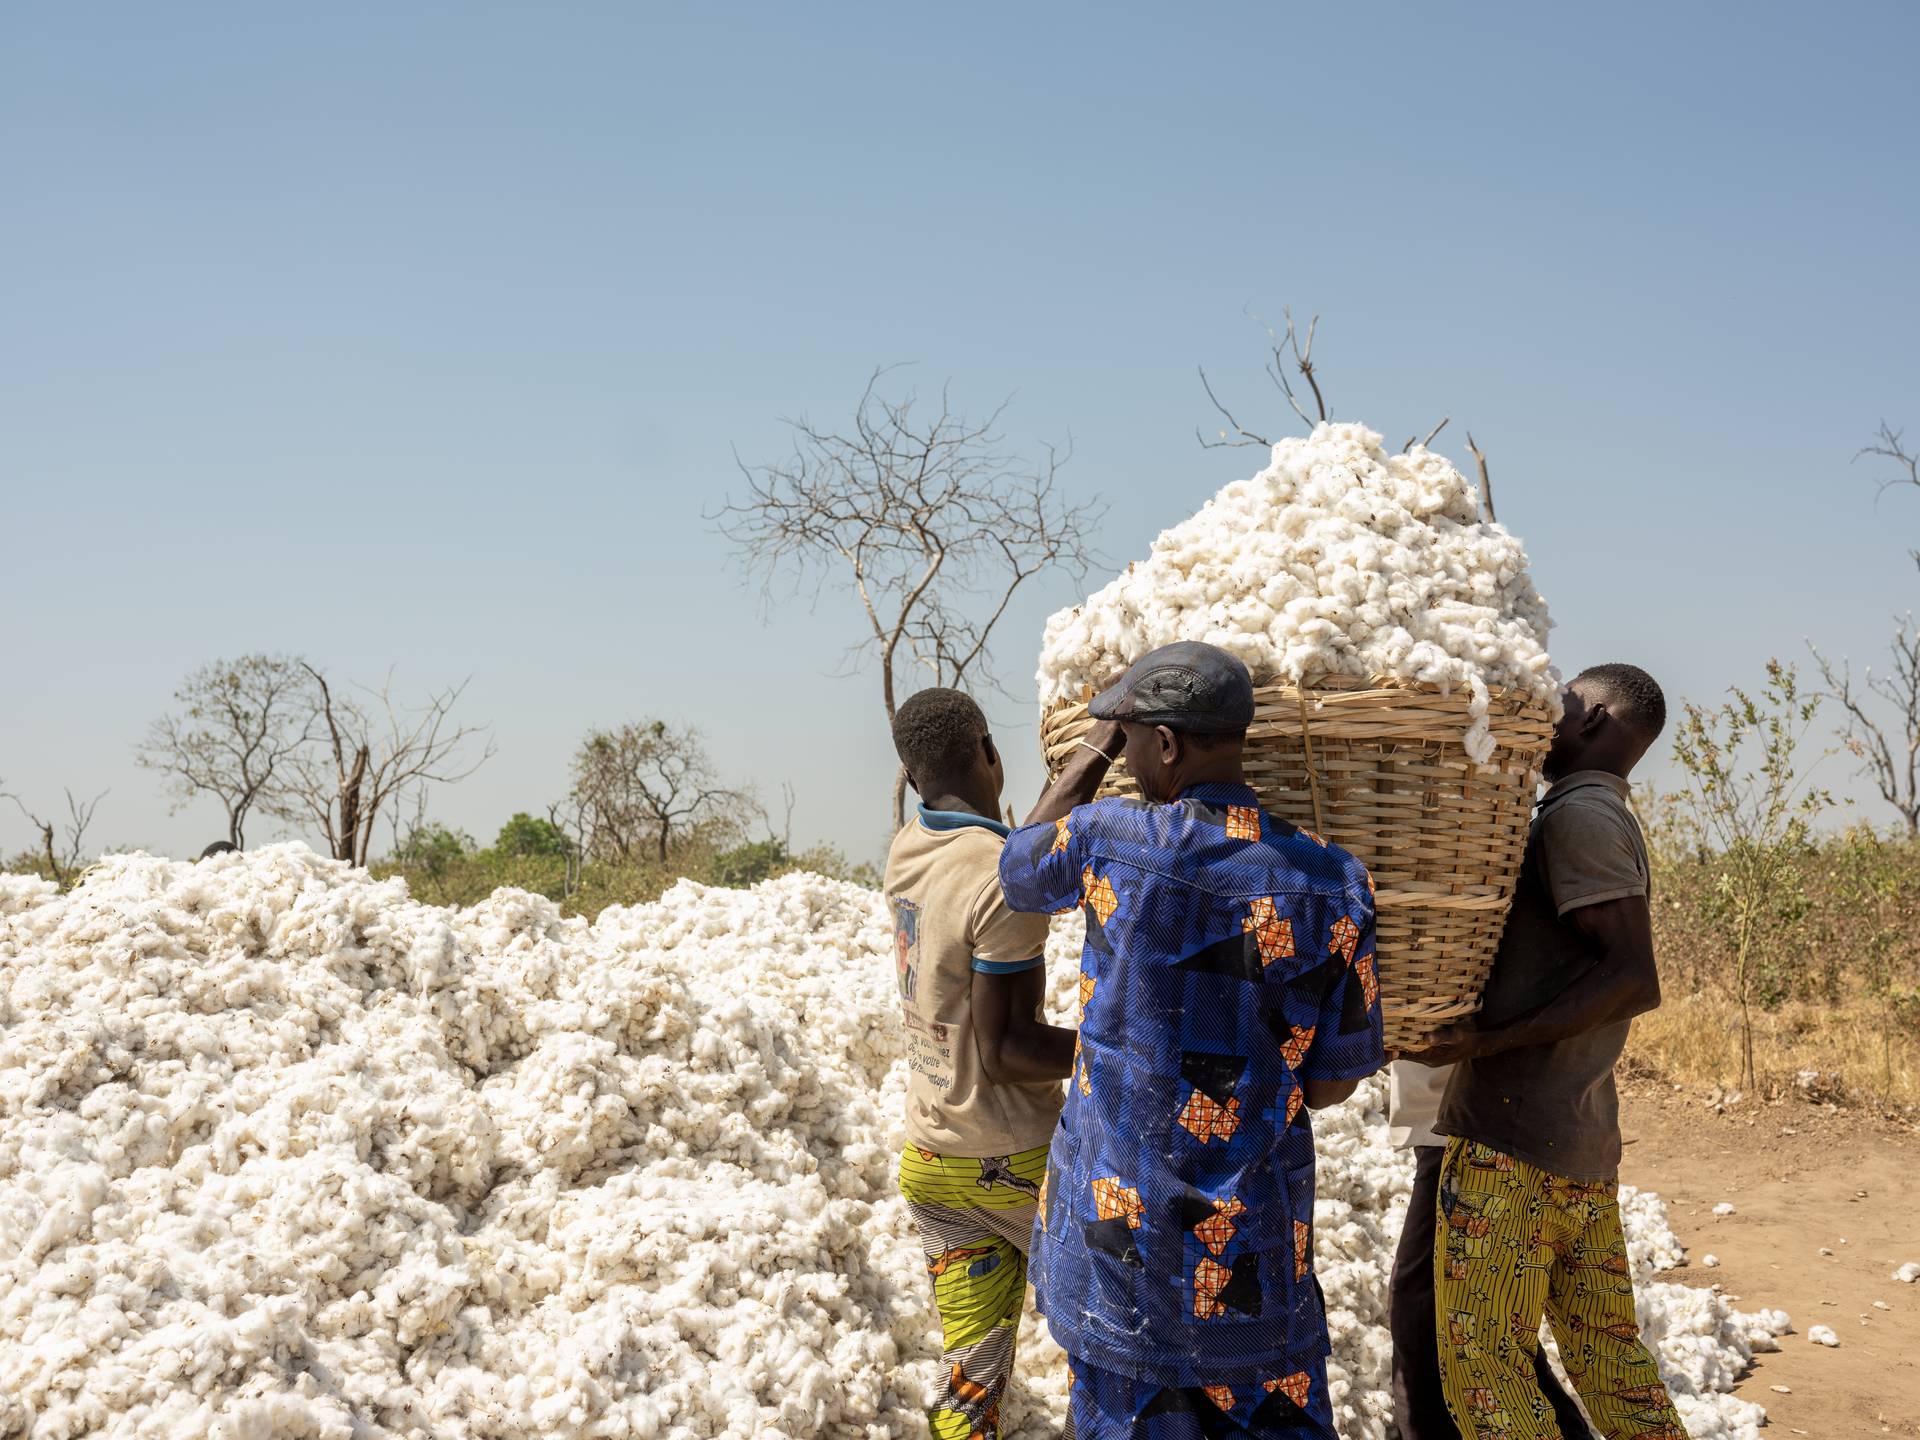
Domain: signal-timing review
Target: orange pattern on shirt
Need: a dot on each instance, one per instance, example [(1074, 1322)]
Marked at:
[(1114, 1201), (1207, 1119), (1302, 1238), (1209, 1279), (1296, 1387), (1217, 1230), (1270, 931), (1343, 938), (1243, 822), (1295, 1050), (1097, 894)]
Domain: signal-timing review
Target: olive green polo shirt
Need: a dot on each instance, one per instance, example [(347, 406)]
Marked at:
[(1554, 1105)]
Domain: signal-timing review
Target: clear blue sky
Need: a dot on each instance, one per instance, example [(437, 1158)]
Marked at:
[(420, 336)]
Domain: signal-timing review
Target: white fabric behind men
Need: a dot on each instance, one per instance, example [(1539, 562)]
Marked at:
[(1413, 1102)]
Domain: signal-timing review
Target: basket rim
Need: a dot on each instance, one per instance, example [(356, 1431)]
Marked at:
[(1338, 682)]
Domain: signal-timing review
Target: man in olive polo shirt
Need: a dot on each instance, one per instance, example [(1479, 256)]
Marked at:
[(1527, 1212)]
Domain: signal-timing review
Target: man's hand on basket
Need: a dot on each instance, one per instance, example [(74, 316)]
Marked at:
[(1453, 1043)]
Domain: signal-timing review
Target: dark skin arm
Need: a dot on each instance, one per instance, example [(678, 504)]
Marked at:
[(1319, 1094), (1080, 777), (1014, 1045), (1624, 983)]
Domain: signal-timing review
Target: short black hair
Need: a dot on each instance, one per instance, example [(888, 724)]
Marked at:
[(1632, 694), (937, 732), (219, 847)]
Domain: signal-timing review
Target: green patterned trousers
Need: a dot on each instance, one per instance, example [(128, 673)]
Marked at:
[(975, 1218)]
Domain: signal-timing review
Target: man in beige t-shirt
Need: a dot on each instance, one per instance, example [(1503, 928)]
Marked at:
[(984, 1089)]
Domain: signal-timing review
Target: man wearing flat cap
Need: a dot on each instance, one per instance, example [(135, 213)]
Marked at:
[(1227, 990)]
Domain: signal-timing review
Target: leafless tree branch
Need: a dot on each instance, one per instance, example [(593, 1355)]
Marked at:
[(1288, 350), (238, 725), (1486, 480), (638, 787), (1888, 749), (62, 856), (1290, 355), (366, 755), (1245, 436), (1889, 445), (929, 519)]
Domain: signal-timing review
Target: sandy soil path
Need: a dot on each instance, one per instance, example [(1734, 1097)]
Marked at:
[(1802, 1178)]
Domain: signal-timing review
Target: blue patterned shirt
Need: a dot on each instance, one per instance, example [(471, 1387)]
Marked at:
[(1229, 956)]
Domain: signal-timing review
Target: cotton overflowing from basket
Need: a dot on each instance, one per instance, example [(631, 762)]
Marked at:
[(286, 1154), (1337, 559)]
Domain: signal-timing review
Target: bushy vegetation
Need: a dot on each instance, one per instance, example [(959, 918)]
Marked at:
[(1833, 1004), (446, 867)]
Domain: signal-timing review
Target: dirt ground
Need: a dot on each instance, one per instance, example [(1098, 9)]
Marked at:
[(1802, 1178)]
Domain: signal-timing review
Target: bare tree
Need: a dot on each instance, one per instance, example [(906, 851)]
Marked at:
[(1888, 747), (1290, 354), (61, 856), (930, 518), (1904, 470), (1888, 445), (1888, 750), (570, 818), (240, 723), (637, 787), (366, 755)]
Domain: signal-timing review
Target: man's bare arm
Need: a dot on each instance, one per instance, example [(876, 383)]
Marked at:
[(1319, 1094), (1624, 983), (1014, 1046), (1080, 777)]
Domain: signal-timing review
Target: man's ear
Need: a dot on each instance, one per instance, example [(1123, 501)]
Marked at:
[(1596, 715), (914, 785), (986, 743), (1169, 744)]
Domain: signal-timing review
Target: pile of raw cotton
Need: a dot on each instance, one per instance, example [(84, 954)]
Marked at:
[(1337, 559), (286, 1154)]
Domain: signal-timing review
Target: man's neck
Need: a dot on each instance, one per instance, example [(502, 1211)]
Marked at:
[(1620, 767), (1232, 774), (1229, 772), (954, 802)]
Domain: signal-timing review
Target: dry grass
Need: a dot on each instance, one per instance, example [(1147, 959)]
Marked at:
[(1859, 1057)]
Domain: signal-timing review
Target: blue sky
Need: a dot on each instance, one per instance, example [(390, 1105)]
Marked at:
[(421, 336)]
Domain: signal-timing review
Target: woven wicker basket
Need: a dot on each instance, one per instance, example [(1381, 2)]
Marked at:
[(1381, 770)]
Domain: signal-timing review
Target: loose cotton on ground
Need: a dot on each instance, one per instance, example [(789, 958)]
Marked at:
[(1337, 559), (285, 1154)]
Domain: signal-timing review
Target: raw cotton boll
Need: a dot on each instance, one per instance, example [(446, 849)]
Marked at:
[(496, 1172), (1362, 563)]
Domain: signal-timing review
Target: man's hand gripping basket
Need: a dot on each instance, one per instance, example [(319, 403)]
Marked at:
[(1380, 770)]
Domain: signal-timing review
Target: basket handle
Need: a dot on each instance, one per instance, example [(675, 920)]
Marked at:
[(1313, 777)]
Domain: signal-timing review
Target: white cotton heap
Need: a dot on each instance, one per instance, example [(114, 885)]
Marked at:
[(285, 1153), (1337, 559)]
